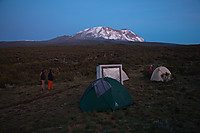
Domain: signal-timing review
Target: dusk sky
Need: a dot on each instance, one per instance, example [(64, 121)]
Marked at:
[(172, 21)]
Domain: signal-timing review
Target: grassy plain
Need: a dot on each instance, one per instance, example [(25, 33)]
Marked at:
[(159, 107)]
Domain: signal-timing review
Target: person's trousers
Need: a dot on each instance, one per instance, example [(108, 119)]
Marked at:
[(50, 85), (43, 84)]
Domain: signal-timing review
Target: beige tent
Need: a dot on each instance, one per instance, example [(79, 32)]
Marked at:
[(161, 74), (113, 71)]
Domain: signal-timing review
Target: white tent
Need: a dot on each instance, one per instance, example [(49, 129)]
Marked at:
[(161, 74), (113, 71)]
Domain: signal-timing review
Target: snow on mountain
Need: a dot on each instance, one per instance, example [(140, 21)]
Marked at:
[(108, 33)]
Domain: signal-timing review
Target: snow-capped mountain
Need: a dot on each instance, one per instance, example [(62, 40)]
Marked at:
[(100, 33), (107, 33)]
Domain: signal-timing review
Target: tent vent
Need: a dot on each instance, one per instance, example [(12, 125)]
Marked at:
[(116, 104), (101, 86)]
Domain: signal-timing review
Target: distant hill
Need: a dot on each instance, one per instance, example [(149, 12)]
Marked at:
[(60, 39), (52, 43), (78, 42)]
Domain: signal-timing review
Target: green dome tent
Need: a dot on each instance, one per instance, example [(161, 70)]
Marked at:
[(105, 94)]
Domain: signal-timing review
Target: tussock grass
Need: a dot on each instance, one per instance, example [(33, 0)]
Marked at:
[(159, 107)]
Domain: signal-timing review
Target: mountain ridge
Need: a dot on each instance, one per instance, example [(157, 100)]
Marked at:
[(101, 33), (4, 44)]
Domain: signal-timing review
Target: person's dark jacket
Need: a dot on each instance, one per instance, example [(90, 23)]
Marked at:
[(43, 77), (50, 76)]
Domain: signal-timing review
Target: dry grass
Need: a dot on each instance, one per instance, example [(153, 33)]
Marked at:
[(159, 107)]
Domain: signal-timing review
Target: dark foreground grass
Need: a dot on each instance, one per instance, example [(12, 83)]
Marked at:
[(159, 107)]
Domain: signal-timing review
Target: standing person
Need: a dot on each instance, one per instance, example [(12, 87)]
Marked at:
[(43, 77), (150, 70), (50, 78)]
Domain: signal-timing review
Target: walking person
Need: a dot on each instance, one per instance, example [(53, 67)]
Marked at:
[(50, 80), (43, 77)]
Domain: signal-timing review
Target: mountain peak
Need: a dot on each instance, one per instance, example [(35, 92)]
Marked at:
[(107, 33), (102, 33)]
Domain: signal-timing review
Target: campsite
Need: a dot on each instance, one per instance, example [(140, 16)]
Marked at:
[(172, 106)]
